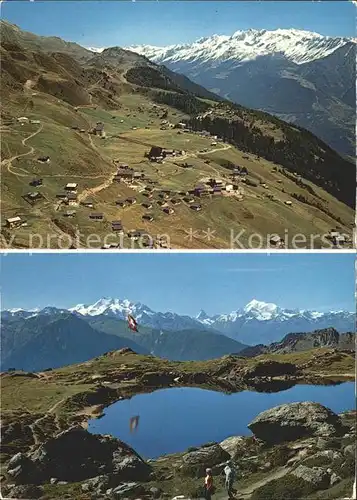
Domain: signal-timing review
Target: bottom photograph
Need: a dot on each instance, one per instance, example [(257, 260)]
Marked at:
[(178, 376)]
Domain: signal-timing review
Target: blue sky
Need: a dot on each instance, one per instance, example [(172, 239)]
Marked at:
[(184, 283), (167, 22)]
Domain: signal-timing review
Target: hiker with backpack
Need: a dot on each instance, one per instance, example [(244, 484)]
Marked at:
[(209, 487)]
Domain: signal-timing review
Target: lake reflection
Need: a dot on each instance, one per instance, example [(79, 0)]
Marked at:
[(171, 420)]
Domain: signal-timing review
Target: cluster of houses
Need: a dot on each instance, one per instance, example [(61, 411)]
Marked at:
[(24, 119), (34, 196), (97, 129), (158, 154), (127, 175), (239, 173), (165, 124), (69, 196), (207, 134), (215, 187), (126, 203)]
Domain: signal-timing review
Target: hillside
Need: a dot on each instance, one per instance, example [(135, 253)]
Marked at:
[(12, 34), (297, 342), (90, 113), (183, 345), (262, 69), (57, 338), (295, 149), (52, 342)]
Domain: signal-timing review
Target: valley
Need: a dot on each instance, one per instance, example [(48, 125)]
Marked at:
[(207, 192), (262, 69)]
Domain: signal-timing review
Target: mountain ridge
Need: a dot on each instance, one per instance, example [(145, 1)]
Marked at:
[(58, 338), (299, 46), (131, 307), (261, 69), (297, 342), (256, 323)]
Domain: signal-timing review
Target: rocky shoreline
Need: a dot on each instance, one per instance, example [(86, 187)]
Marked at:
[(36, 446), (304, 444)]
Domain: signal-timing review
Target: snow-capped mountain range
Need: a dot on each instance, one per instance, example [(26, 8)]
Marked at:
[(262, 69), (296, 45), (257, 322)]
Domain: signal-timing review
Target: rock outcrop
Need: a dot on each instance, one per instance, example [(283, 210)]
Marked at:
[(195, 462), (294, 421), (318, 477), (90, 456), (28, 491), (268, 368), (233, 445)]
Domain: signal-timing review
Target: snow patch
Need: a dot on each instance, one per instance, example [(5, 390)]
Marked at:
[(96, 49)]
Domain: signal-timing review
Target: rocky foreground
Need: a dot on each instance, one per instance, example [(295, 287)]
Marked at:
[(299, 450)]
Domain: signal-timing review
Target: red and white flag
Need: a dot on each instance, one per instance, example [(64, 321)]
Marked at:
[(132, 323)]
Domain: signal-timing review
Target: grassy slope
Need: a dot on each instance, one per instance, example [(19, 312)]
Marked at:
[(89, 161), (63, 382)]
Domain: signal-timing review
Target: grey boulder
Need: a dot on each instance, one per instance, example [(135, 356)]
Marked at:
[(90, 456), (350, 450), (130, 467), (317, 477), (334, 479), (195, 463), (123, 490), (28, 491), (294, 421), (21, 469)]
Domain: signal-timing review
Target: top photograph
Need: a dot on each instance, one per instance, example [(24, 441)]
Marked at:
[(178, 125)]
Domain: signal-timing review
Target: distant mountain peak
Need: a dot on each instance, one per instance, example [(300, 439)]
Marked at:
[(95, 49), (299, 46), (202, 315), (20, 309), (258, 322), (261, 310), (105, 305), (259, 304)]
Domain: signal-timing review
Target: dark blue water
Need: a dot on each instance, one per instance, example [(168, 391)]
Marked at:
[(171, 420)]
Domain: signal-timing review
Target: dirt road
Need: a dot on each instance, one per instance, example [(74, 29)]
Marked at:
[(247, 492), (36, 422), (91, 191), (8, 161)]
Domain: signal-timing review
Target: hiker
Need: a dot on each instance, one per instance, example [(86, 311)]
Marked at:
[(230, 477), (209, 488)]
